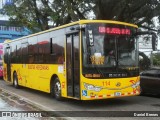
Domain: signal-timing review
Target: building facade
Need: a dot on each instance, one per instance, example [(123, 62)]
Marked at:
[(8, 31), (4, 2), (11, 32)]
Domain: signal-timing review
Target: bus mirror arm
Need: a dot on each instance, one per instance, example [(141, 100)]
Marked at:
[(145, 33), (81, 27)]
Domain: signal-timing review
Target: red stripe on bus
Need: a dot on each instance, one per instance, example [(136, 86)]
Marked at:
[(92, 96), (100, 96), (43, 42)]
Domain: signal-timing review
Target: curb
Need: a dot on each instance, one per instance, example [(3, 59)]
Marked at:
[(29, 104), (20, 100)]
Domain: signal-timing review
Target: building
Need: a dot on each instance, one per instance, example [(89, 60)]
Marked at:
[(4, 2), (8, 31), (11, 32)]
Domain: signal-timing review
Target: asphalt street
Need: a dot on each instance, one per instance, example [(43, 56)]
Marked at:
[(122, 106)]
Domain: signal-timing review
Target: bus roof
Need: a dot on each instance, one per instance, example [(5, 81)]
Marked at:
[(81, 22), (107, 21)]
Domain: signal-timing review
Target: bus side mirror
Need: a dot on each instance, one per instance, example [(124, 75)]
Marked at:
[(158, 31), (154, 38), (154, 42)]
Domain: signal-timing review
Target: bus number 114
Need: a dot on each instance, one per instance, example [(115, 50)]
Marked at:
[(106, 83)]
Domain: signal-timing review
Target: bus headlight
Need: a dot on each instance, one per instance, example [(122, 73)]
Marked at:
[(92, 87)]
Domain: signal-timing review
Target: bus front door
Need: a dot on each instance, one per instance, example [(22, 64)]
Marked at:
[(73, 65), (8, 51)]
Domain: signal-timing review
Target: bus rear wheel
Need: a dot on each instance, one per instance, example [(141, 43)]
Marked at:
[(15, 81), (56, 89)]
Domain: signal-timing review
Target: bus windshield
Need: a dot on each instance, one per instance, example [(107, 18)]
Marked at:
[(109, 46)]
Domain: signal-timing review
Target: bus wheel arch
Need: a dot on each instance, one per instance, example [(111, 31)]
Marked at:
[(55, 87), (15, 80)]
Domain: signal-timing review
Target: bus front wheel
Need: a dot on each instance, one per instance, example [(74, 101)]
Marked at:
[(15, 81), (56, 89)]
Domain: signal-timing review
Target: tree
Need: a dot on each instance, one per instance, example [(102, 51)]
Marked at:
[(144, 62), (140, 12), (156, 59), (37, 14), (28, 13)]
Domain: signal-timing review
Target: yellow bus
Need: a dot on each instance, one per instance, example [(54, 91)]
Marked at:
[(83, 60)]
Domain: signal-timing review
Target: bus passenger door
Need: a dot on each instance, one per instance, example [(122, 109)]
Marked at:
[(24, 57), (73, 65), (8, 52)]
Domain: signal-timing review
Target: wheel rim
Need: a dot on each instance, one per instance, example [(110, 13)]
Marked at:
[(57, 89)]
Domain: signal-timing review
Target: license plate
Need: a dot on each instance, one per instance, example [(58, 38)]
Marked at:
[(117, 93)]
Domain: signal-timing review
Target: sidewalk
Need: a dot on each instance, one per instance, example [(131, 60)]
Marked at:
[(13, 108), (17, 102), (40, 101)]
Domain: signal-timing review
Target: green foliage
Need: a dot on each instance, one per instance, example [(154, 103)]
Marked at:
[(36, 14), (27, 13), (139, 12), (156, 59), (145, 62)]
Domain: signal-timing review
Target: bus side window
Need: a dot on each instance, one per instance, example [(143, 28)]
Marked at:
[(61, 59), (53, 50), (30, 53), (57, 49), (40, 53), (51, 46)]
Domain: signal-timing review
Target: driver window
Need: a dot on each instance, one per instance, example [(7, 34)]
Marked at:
[(109, 51)]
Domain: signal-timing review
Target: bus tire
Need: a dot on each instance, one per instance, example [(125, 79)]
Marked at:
[(15, 81), (56, 89)]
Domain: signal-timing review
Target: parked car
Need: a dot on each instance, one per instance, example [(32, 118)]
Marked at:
[(150, 81)]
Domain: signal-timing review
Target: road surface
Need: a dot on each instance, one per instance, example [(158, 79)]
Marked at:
[(123, 105)]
